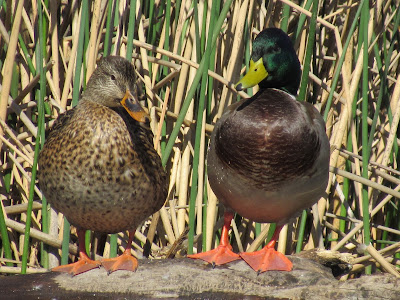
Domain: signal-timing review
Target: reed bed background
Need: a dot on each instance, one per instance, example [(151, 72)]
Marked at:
[(188, 56)]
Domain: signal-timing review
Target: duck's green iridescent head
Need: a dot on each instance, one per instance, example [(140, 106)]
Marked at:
[(273, 64)]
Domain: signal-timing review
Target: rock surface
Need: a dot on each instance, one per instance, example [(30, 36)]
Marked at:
[(191, 279)]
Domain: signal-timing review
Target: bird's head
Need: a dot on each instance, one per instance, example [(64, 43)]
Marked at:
[(273, 64), (113, 84)]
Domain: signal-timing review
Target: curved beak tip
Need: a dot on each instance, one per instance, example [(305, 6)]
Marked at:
[(133, 107), (239, 86)]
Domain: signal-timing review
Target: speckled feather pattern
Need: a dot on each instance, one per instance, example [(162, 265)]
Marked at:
[(102, 175), (99, 168)]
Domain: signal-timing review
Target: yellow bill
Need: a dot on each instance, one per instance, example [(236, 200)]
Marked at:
[(133, 107), (255, 75)]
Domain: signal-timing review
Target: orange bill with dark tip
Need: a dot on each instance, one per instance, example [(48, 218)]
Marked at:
[(133, 107)]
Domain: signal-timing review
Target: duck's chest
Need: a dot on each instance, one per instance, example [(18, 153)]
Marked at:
[(263, 139), (96, 146), (98, 154), (102, 175)]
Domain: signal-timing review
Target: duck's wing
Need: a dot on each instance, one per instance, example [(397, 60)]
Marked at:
[(60, 122)]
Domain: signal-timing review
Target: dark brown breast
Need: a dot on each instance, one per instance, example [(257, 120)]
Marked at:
[(268, 139)]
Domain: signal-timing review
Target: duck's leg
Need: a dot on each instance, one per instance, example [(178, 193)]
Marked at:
[(268, 258), (223, 253), (83, 264), (123, 262)]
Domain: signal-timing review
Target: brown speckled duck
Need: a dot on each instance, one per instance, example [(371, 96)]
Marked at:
[(269, 155), (98, 166)]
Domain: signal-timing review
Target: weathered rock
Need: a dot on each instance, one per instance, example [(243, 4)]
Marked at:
[(339, 263), (192, 279)]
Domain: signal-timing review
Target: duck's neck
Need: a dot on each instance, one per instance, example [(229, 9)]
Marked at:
[(290, 86)]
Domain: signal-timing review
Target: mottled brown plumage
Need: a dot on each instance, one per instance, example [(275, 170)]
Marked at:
[(98, 165)]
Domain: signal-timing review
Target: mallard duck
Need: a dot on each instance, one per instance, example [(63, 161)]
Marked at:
[(98, 165), (269, 155)]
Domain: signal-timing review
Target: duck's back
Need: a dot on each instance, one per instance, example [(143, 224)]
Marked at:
[(99, 168), (269, 156)]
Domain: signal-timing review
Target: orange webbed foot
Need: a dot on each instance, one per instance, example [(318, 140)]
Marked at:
[(223, 254), (267, 259), (83, 265), (123, 262)]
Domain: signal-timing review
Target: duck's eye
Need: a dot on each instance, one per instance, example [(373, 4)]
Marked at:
[(273, 49), (112, 77)]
